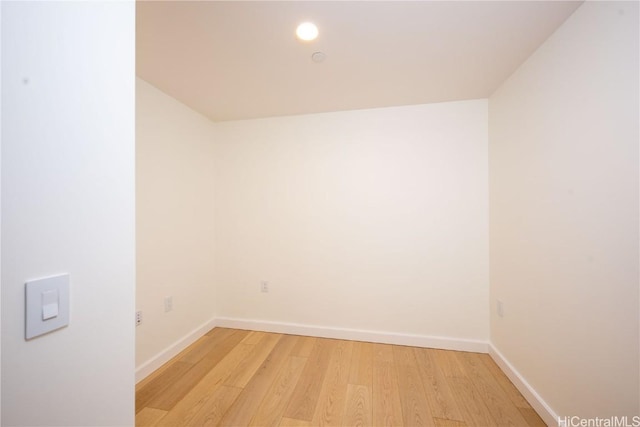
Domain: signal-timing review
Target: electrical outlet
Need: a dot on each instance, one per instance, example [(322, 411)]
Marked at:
[(500, 308), (168, 304), (264, 286), (138, 317)]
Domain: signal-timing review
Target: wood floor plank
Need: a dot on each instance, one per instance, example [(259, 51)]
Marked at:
[(403, 355), (248, 367), (182, 385), (189, 406), (473, 410), (213, 331), (245, 406), (383, 353), (254, 337), (505, 383), (291, 422), (358, 408), (532, 417), (149, 417), (214, 408), (362, 364), (415, 409), (448, 363), (207, 344), (155, 388), (387, 408), (443, 422), (436, 387), (277, 397), (495, 398), (304, 346), (305, 396), (331, 399)]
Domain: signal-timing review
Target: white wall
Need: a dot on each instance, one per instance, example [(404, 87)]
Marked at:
[(373, 220), (68, 206), (174, 226), (564, 214)]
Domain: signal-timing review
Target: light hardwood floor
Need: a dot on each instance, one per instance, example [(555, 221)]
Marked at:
[(241, 378)]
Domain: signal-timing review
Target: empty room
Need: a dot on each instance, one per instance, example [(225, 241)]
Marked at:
[(304, 213)]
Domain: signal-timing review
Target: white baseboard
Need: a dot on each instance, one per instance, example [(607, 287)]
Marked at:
[(355, 334), (168, 353), (542, 408)]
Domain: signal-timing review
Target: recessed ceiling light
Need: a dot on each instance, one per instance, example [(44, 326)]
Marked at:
[(307, 31)]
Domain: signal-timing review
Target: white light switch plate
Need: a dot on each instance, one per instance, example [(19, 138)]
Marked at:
[(47, 305)]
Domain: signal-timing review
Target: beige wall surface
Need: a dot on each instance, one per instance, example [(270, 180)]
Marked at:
[(373, 220), (564, 136), (68, 207), (174, 220)]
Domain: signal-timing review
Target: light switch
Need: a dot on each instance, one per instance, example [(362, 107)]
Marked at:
[(47, 305)]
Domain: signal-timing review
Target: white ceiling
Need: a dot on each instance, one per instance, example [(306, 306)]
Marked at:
[(238, 59)]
